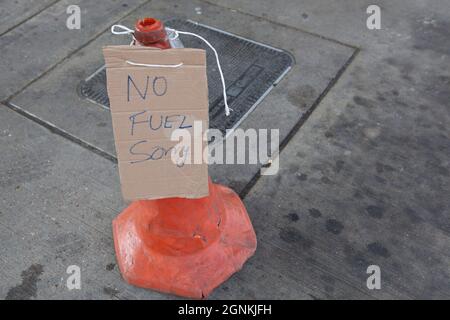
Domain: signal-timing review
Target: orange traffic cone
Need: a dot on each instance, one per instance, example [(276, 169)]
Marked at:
[(181, 246), (184, 246)]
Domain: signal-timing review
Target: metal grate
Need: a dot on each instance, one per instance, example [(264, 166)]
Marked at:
[(251, 70)]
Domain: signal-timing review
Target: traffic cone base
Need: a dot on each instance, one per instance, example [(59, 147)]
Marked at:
[(183, 246)]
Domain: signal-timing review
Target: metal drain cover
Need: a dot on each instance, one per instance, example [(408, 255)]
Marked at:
[(250, 69)]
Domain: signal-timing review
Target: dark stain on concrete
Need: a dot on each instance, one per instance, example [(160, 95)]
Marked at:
[(432, 34), (381, 97), (293, 169), (110, 291), (302, 97), (364, 102), (110, 266), (28, 288), (378, 249), (375, 212), (278, 178), (293, 236), (405, 67), (334, 226), (302, 177), (355, 258), (380, 179), (443, 171), (436, 87), (381, 167), (315, 213), (292, 216), (338, 166)]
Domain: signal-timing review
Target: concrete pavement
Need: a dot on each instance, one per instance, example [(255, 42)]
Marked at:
[(364, 176)]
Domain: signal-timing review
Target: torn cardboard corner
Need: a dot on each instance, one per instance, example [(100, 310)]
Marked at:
[(153, 92)]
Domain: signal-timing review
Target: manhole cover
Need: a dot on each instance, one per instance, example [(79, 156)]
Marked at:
[(250, 69)]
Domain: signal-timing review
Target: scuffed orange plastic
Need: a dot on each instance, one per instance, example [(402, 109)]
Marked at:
[(183, 246)]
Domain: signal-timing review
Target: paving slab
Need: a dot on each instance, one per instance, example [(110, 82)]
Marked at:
[(41, 42), (13, 13), (417, 23), (50, 222), (342, 210), (365, 179), (55, 99), (57, 203), (363, 182)]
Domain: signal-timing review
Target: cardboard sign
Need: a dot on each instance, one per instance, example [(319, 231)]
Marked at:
[(153, 92)]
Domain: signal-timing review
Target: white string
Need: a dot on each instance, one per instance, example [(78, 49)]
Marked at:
[(155, 65), (126, 30), (176, 32)]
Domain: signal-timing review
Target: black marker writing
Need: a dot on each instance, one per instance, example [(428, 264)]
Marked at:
[(155, 122), (159, 87)]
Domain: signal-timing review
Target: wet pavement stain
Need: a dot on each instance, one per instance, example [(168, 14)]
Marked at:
[(381, 167), (315, 213), (293, 217), (432, 34), (404, 67), (28, 288), (380, 180), (364, 102), (375, 212), (334, 226), (339, 165), (302, 96), (378, 249), (413, 215), (110, 266), (358, 195), (436, 87), (355, 258), (292, 235), (110, 291)]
